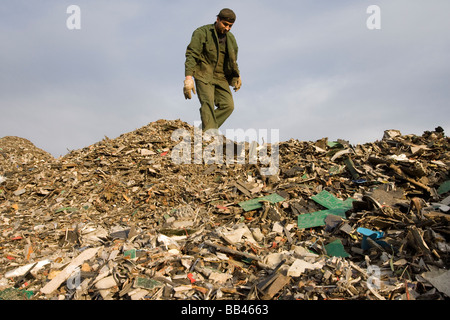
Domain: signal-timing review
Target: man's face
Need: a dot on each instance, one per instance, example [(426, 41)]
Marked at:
[(223, 26)]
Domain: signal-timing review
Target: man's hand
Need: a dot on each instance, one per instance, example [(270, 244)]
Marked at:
[(237, 83), (189, 86)]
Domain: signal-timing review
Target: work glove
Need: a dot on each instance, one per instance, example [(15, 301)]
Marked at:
[(189, 86), (236, 83)]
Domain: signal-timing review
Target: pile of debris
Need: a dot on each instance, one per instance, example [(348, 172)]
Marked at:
[(121, 220)]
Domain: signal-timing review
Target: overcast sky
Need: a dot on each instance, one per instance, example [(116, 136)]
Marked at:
[(310, 69)]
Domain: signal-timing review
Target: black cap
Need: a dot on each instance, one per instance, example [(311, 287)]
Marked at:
[(227, 15)]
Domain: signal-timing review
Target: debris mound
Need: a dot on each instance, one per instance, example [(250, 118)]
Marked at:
[(122, 220), (19, 151)]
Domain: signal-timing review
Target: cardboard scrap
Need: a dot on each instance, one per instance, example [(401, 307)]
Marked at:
[(276, 283)]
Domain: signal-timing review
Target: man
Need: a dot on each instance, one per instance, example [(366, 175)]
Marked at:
[(211, 60)]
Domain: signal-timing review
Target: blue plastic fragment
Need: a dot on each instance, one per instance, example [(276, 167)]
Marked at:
[(374, 235)]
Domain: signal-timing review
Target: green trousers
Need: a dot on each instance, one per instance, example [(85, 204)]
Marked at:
[(212, 95)]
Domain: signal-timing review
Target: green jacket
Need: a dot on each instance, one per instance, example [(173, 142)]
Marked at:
[(201, 55)]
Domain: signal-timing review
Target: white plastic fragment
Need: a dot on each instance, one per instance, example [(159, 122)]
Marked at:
[(299, 266), (257, 234), (278, 228), (138, 294), (167, 241), (20, 271), (273, 259), (440, 206), (237, 234), (440, 279), (64, 274), (222, 256), (220, 277), (106, 283)]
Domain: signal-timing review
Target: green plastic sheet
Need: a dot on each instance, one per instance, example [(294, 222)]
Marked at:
[(336, 249), (317, 219), (15, 294), (334, 206), (256, 203), (443, 188), (329, 201)]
